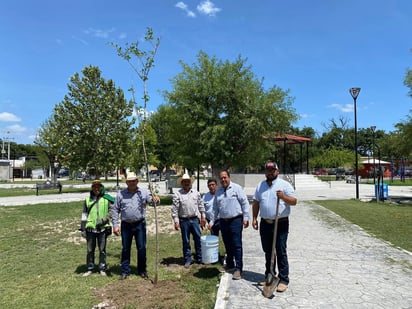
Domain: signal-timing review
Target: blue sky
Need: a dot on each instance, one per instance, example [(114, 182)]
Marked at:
[(317, 49)]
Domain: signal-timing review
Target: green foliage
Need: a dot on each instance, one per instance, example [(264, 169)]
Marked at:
[(222, 113), (404, 136), (89, 129), (333, 157), (408, 80), (162, 123)]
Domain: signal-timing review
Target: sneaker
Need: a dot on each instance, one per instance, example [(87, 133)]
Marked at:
[(187, 265), (87, 273), (103, 273), (281, 287), (237, 275)]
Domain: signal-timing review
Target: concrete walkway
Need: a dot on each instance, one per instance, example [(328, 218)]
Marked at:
[(333, 264)]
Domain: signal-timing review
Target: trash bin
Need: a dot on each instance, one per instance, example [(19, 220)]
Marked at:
[(383, 191)]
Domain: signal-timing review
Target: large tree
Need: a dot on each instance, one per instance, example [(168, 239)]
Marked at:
[(223, 113), (91, 128)]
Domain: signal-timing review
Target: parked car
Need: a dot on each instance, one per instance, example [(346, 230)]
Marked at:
[(154, 175), (320, 172), (169, 173), (349, 172), (340, 174)]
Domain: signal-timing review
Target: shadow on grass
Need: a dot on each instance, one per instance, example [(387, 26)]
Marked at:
[(172, 261)]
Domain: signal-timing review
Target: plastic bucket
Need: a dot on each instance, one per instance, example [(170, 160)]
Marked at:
[(210, 249)]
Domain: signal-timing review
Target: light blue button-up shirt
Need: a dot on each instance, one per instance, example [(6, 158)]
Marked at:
[(266, 196), (130, 205), (230, 203), (208, 200)]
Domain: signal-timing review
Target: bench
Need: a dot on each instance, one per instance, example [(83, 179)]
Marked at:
[(48, 185)]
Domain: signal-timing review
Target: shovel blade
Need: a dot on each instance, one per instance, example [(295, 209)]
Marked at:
[(270, 286)]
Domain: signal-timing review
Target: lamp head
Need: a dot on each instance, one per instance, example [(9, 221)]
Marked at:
[(354, 92)]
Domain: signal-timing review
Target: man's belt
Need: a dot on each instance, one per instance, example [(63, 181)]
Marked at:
[(231, 219), (188, 218), (271, 221), (134, 222)]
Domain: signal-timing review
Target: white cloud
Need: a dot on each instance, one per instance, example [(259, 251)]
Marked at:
[(122, 36), (347, 108), (16, 129), (8, 117), (208, 8), (98, 33), (183, 6)]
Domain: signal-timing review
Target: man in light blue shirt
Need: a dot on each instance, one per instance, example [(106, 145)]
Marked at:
[(130, 204), (231, 206), (208, 199), (264, 201)]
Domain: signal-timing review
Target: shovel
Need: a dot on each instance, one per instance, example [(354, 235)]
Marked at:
[(272, 280)]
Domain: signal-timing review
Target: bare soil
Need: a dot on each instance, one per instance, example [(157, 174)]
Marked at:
[(143, 294)]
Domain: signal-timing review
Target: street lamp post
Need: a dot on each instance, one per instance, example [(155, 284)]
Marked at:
[(373, 128), (354, 93)]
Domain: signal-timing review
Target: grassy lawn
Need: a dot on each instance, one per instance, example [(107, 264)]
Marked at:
[(43, 257), (385, 221)]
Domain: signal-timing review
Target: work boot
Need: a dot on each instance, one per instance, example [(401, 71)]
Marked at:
[(281, 287), (237, 275)]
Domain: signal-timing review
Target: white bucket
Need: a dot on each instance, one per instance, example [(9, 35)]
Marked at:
[(210, 249)]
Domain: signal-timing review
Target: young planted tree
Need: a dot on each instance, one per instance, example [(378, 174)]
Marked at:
[(145, 62)]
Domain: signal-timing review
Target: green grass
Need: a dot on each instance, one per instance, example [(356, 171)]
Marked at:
[(43, 257), (386, 221)]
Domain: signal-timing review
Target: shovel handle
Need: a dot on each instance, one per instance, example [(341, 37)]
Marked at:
[(275, 233)]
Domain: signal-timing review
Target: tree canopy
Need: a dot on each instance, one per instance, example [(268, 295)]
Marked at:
[(221, 114), (91, 128)]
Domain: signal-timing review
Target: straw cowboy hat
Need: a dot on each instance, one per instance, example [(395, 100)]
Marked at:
[(185, 177), (131, 176)]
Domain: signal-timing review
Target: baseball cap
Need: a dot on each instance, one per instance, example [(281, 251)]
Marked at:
[(271, 165)]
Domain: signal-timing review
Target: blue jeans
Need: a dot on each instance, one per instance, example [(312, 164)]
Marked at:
[(91, 239), (138, 231), (232, 238), (266, 237), (190, 226)]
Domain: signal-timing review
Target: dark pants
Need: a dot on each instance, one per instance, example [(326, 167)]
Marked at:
[(91, 239), (232, 238), (266, 237), (190, 226), (138, 231)]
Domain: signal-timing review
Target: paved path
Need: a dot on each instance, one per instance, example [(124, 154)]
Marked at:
[(333, 264)]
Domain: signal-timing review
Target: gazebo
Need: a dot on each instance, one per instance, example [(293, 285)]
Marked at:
[(289, 139)]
